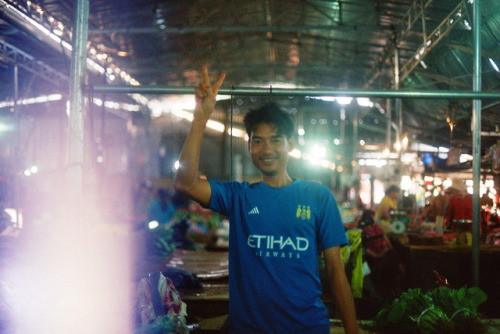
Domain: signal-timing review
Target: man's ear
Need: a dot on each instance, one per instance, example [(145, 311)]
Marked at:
[(291, 144)]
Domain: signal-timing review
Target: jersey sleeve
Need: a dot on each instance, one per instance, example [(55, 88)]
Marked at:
[(222, 195), (331, 231)]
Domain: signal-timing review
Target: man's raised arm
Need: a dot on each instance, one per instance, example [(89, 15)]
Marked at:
[(187, 180)]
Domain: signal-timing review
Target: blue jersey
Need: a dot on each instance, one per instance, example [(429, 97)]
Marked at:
[(274, 239)]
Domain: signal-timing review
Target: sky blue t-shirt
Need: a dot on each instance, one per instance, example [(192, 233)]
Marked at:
[(274, 238)]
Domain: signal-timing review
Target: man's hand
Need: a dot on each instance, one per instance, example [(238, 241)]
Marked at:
[(205, 94), (187, 180)]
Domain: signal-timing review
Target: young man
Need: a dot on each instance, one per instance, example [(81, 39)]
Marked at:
[(277, 227)]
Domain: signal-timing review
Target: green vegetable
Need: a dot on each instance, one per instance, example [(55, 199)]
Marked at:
[(418, 312), (160, 241)]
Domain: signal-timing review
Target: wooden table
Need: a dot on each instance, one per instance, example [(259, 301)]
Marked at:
[(212, 268), (204, 264), (209, 306)]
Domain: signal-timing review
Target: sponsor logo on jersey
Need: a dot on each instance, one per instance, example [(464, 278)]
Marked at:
[(254, 211), (303, 212), (277, 246)]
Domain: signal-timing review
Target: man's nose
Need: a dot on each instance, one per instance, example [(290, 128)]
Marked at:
[(267, 146)]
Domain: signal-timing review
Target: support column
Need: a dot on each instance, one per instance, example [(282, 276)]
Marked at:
[(476, 142), (17, 149), (74, 172)]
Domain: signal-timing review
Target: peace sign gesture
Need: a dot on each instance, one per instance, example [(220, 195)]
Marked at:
[(205, 94)]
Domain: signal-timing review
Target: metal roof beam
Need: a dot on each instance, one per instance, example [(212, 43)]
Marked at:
[(252, 91), (469, 50), (411, 16), (446, 80), (234, 29), (31, 64), (433, 38), (252, 67)]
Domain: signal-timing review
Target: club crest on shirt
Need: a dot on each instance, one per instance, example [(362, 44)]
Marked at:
[(303, 212)]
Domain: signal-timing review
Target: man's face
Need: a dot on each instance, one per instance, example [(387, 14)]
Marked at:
[(269, 150)]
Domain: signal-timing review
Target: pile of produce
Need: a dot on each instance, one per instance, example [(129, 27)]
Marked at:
[(160, 242), (442, 310)]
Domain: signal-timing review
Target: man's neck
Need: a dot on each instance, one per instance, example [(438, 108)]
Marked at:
[(277, 181)]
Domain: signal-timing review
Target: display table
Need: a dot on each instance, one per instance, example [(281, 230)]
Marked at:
[(209, 306), (212, 268)]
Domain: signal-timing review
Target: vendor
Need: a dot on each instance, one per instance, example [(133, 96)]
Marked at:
[(460, 204), (386, 208), (438, 204)]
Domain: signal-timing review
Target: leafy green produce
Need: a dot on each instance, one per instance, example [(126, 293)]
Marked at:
[(160, 241), (437, 311)]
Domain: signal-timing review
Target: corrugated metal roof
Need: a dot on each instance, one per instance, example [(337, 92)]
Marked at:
[(315, 43)]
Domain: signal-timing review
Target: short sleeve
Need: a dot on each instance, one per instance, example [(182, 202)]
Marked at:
[(222, 196)]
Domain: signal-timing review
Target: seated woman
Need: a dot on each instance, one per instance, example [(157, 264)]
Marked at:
[(387, 269)]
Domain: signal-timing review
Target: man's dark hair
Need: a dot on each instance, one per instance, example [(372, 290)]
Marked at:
[(273, 114)]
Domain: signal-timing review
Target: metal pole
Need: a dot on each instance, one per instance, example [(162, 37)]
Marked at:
[(399, 109), (17, 150), (74, 172), (355, 168), (476, 142), (251, 91), (388, 112)]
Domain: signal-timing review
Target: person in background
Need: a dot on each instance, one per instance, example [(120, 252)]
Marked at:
[(142, 197), (386, 208), (277, 226), (460, 203), (379, 244), (386, 266), (162, 209), (438, 205), (486, 200)]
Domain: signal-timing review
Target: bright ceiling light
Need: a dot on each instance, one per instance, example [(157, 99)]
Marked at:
[(344, 100), (153, 224), (295, 153), (236, 132), (324, 98), (495, 66), (318, 151), (3, 127), (364, 102), (467, 25)]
